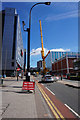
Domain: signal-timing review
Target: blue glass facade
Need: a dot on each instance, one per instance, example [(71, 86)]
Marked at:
[(48, 61), (12, 43)]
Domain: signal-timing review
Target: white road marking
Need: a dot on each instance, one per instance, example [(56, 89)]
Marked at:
[(50, 91), (72, 110)]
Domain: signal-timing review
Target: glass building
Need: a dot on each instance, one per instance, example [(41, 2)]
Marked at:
[(12, 43)]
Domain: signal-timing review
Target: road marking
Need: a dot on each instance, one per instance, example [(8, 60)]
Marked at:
[(50, 91), (55, 111), (53, 105), (72, 110)]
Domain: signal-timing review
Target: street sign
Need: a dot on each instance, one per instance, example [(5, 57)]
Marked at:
[(28, 86), (18, 69)]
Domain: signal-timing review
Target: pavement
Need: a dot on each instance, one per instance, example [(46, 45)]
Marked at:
[(15, 103), (20, 104), (71, 83)]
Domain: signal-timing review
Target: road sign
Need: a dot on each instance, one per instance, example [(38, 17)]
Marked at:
[(28, 86)]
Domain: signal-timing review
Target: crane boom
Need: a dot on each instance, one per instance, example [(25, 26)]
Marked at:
[(42, 51)]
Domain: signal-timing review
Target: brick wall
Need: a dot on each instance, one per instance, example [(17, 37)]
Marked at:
[(60, 66)]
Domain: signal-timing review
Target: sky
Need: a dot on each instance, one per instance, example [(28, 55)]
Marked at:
[(59, 26)]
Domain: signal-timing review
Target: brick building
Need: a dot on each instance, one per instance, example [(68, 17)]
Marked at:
[(64, 65), (53, 56), (77, 66)]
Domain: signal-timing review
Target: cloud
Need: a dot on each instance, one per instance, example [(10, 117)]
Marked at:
[(38, 51), (60, 50), (35, 51), (71, 14)]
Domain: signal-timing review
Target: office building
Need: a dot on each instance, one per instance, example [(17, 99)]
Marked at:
[(52, 57), (64, 65), (12, 43), (39, 65), (24, 60), (56, 55)]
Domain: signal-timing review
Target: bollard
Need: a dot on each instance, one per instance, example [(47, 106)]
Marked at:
[(61, 77), (1, 81), (17, 77)]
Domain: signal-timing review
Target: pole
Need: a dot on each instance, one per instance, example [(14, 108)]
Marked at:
[(28, 57), (28, 47), (17, 75)]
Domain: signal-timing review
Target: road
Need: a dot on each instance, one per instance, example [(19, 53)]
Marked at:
[(62, 94), (67, 95)]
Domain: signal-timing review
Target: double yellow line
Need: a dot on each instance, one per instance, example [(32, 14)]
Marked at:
[(53, 108)]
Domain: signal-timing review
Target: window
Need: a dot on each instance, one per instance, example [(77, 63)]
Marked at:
[(12, 64)]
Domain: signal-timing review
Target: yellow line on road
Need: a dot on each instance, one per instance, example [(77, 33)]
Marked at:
[(56, 115), (50, 103)]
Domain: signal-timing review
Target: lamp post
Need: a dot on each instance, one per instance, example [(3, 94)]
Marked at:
[(28, 44)]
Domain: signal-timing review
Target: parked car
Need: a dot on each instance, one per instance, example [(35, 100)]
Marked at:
[(56, 78), (47, 78), (73, 76)]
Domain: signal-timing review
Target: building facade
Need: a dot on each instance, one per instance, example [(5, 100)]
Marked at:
[(61, 62), (39, 65), (77, 66), (24, 60), (52, 57), (64, 65), (12, 43)]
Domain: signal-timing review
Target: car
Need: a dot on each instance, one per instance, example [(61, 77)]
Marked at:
[(56, 78), (47, 78)]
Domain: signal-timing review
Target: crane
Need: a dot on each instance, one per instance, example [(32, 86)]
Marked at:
[(42, 51)]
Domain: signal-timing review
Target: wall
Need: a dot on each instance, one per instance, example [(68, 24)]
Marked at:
[(61, 67)]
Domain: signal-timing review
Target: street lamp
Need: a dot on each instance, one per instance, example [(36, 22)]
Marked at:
[(28, 45)]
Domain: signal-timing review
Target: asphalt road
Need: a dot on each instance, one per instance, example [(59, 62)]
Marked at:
[(67, 95)]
